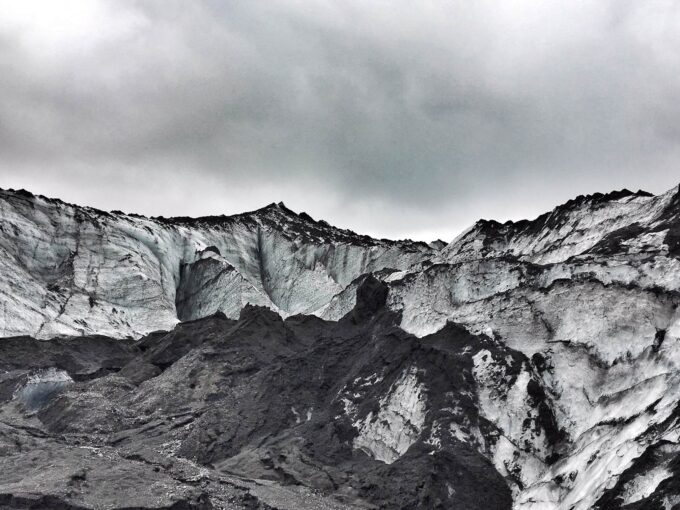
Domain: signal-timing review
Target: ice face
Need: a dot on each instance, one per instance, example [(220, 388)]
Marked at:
[(41, 387), (68, 270)]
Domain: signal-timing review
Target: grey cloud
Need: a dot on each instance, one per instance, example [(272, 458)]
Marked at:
[(387, 117)]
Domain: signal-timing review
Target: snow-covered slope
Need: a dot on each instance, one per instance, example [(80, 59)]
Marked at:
[(72, 270)]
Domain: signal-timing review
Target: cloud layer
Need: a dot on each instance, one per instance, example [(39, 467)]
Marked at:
[(393, 118)]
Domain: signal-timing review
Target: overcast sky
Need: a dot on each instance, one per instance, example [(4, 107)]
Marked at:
[(393, 118)]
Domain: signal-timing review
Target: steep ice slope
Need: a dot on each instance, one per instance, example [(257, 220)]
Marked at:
[(72, 270), (627, 239), (590, 294)]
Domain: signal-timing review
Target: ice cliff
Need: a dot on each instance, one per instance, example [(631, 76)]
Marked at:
[(69, 270)]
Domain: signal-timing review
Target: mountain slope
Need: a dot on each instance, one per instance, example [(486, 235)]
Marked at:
[(546, 353), (359, 412), (592, 291)]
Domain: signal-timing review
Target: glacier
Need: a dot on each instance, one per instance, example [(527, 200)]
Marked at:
[(569, 380)]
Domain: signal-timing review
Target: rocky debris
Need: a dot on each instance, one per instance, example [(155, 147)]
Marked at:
[(259, 411)]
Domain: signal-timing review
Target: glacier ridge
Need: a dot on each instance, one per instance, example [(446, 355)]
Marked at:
[(69, 270)]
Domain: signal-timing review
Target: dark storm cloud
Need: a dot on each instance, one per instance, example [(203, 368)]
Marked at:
[(394, 118)]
